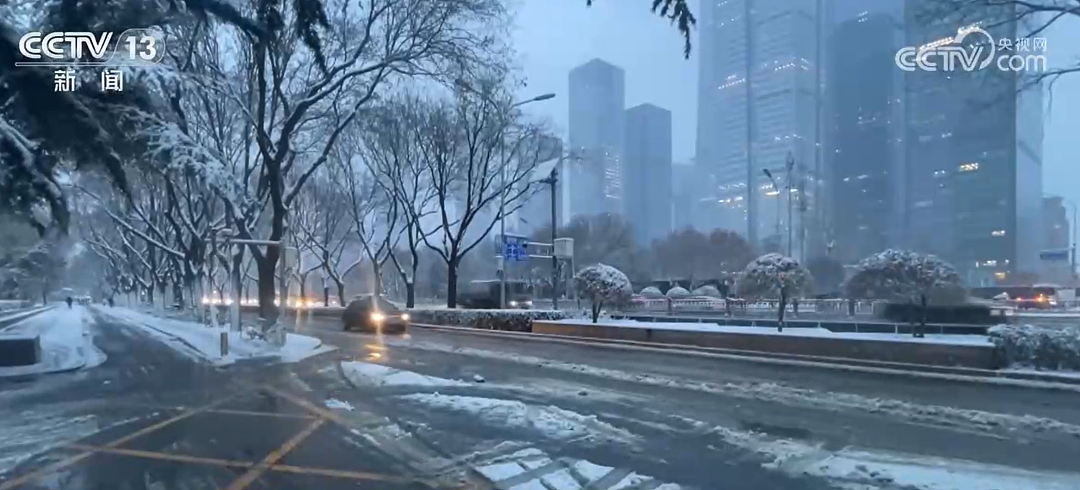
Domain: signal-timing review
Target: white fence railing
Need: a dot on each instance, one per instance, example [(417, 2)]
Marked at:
[(734, 306)]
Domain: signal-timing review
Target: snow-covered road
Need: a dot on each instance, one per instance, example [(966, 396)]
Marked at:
[(530, 415), (449, 407), (66, 343)]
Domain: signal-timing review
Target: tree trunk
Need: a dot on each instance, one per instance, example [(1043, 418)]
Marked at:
[(376, 273), (410, 294), (783, 308), (451, 283), (268, 311), (303, 288), (340, 291), (596, 307), (150, 294)]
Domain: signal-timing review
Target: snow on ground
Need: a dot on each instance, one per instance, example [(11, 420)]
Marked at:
[(551, 422), (532, 469), (857, 468), (33, 432), (793, 396), (66, 343), (18, 312), (336, 404), (202, 342), (795, 332), (367, 374)]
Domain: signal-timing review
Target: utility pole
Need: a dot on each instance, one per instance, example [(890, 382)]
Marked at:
[(790, 182), (776, 189), (502, 203), (552, 180)]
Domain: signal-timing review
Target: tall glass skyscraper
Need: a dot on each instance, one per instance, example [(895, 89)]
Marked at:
[(597, 98), (974, 154), (759, 106)]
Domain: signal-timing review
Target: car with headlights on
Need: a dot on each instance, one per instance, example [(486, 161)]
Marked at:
[(374, 314)]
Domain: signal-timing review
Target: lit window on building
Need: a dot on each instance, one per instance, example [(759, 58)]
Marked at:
[(997, 233), (969, 167)]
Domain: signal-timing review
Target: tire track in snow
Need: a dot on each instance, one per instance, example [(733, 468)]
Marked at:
[(945, 416)]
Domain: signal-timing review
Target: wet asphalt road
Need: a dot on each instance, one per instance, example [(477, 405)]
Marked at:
[(150, 418)]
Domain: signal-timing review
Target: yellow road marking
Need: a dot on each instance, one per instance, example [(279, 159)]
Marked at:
[(167, 422), (306, 405), (248, 478), (353, 475), (183, 458), (52, 468), (262, 414), (44, 471)]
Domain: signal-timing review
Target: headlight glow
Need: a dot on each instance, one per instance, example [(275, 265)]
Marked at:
[(405, 316), (513, 303), (377, 317)]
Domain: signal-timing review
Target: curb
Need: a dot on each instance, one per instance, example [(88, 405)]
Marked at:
[(973, 375), (18, 317)]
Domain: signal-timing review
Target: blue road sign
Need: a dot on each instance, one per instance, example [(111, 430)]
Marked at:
[(1054, 255)]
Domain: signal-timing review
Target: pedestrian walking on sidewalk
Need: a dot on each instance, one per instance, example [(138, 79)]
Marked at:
[(69, 301)]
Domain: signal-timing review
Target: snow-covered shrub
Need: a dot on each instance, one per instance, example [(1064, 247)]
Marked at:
[(763, 277), (652, 292), (603, 284), (1044, 348), (903, 275), (509, 320), (707, 290), (678, 292)]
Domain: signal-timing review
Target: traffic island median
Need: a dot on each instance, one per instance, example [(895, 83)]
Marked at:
[(969, 351)]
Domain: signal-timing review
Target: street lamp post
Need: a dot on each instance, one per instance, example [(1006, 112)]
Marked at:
[(502, 203), (790, 167), (553, 180), (776, 188)]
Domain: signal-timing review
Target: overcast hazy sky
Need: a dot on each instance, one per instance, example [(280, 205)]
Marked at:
[(554, 36)]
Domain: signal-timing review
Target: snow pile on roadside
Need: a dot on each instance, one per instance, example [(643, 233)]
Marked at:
[(367, 374), (531, 469), (66, 343), (794, 332), (550, 422), (855, 468), (797, 397), (1045, 348), (204, 343)]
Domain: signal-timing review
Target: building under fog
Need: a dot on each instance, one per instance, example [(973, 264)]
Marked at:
[(864, 132), (973, 182), (759, 100), (595, 174), (647, 171)]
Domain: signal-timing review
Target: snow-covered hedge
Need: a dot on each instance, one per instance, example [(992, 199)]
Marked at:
[(603, 284), (1044, 348), (902, 275), (678, 292), (509, 320), (707, 290), (762, 277), (652, 292)]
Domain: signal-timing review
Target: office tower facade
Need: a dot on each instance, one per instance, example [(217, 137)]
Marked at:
[(863, 136), (597, 95), (684, 185), (759, 108), (1057, 236), (973, 181), (647, 171)]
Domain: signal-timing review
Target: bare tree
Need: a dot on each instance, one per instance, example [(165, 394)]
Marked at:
[(391, 136), (479, 155)]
